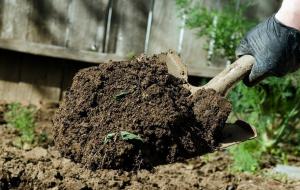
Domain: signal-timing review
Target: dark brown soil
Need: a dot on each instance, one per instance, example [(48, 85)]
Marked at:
[(44, 168), (141, 98)]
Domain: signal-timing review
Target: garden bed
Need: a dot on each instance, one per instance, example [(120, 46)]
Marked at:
[(42, 167)]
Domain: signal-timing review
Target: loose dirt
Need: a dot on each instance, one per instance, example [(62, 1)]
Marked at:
[(133, 114), (42, 167)]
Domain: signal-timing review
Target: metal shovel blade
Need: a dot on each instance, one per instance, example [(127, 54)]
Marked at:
[(235, 133)]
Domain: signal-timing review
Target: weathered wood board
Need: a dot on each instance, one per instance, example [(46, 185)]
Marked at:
[(15, 14), (197, 65), (40, 79), (34, 79), (165, 29), (1, 14), (87, 25), (57, 51), (47, 22), (129, 25), (9, 75)]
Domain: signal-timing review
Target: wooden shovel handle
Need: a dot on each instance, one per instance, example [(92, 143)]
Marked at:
[(232, 74)]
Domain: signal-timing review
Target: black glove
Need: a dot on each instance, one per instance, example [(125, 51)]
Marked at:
[(276, 49)]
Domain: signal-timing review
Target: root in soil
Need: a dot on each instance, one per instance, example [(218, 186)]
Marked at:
[(133, 114)]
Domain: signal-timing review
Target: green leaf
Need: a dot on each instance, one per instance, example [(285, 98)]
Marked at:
[(121, 95), (109, 137), (130, 136), (22, 118)]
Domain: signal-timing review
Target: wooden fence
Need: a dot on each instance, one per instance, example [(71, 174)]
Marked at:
[(86, 32)]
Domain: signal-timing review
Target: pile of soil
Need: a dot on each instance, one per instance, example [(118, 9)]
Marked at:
[(44, 168), (133, 114)]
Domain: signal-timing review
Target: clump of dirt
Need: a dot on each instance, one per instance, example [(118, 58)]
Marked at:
[(133, 114), (211, 110)]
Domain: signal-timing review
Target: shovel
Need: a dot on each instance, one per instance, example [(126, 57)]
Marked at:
[(232, 133)]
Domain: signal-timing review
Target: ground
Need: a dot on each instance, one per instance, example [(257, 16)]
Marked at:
[(42, 167)]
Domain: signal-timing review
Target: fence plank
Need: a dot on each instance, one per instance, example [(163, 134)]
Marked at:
[(129, 25), (9, 75), (57, 51), (195, 57), (15, 18), (165, 28), (48, 21), (40, 82), (87, 19), (1, 14)]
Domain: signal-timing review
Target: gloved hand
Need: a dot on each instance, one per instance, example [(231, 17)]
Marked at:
[(276, 49)]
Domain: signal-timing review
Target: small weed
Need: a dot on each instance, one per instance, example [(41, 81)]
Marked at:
[(245, 160), (130, 136), (121, 95), (22, 118), (43, 137), (126, 136), (130, 55), (109, 137)]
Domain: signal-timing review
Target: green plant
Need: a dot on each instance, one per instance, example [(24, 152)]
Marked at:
[(121, 95), (125, 135), (109, 137), (273, 108), (223, 28), (245, 156), (130, 55), (130, 136), (22, 118), (43, 137)]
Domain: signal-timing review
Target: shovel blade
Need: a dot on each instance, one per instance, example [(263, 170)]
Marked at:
[(235, 133)]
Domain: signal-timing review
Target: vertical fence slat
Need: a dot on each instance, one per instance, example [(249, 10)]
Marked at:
[(87, 21), (48, 21), (129, 25), (15, 19), (40, 82), (9, 75), (195, 57), (165, 27), (1, 14)]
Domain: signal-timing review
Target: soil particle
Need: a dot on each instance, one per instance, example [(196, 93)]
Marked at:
[(36, 153), (133, 114)]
